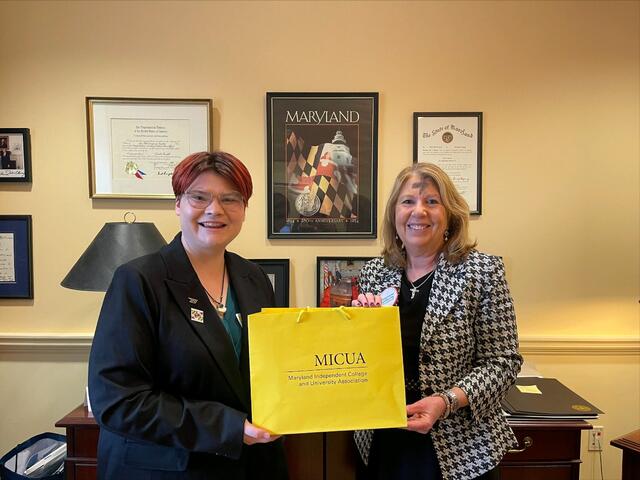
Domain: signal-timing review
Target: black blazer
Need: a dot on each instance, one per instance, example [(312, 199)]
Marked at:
[(168, 391)]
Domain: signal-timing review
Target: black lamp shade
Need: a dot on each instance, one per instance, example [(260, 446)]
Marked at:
[(115, 244)]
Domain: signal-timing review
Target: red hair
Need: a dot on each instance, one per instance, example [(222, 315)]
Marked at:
[(220, 163)]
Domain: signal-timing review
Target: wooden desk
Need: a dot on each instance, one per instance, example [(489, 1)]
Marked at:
[(82, 444), (552, 451), (630, 445), (549, 450)]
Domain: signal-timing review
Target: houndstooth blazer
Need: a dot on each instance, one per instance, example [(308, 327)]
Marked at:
[(469, 339)]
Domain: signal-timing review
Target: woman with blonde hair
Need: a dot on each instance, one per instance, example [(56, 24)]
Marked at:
[(459, 337)]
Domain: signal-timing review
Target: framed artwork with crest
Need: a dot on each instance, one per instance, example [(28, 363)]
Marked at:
[(322, 151)]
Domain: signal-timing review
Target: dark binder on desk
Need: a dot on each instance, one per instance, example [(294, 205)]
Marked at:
[(554, 400)]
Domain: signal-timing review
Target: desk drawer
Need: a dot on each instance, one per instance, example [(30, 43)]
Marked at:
[(548, 445), (77, 470), (84, 442), (86, 472), (541, 472)]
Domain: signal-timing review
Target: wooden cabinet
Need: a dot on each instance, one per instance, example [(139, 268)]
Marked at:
[(630, 445), (82, 444), (548, 450)]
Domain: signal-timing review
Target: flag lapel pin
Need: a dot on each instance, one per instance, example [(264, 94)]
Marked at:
[(197, 315)]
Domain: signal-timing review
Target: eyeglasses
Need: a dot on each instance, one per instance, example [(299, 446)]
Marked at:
[(201, 200)]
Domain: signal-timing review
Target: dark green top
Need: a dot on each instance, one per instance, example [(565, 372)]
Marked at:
[(231, 322)]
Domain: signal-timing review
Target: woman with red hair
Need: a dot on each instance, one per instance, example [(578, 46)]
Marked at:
[(169, 365)]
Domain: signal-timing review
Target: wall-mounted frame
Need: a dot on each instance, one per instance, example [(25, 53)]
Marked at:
[(15, 155), (337, 280), (16, 258), (453, 141), (277, 269), (135, 143), (322, 151)]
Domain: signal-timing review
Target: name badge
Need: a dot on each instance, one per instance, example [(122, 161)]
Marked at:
[(389, 297)]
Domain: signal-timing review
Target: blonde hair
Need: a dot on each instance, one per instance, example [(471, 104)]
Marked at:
[(458, 244)]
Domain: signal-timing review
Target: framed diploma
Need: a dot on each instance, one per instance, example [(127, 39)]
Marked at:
[(278, 272), (337, 280), (16, 264), (322, 151), (135, 143), (15, 155), (453, 141)]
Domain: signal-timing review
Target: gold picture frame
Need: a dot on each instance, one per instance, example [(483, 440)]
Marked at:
[(135, 143)]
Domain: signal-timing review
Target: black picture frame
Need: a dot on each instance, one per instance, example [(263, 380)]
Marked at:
[(322, 170), (277, 269), (16, 257), (335, 284), (15, 155), (453, 141)]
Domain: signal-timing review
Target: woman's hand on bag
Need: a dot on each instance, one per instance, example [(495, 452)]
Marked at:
[(423, 414), (367, 300), (253, 434)]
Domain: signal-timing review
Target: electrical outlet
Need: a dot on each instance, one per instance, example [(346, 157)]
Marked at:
[(596, 439)]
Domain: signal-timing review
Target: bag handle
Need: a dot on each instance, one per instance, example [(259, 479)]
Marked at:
[(341, 309)]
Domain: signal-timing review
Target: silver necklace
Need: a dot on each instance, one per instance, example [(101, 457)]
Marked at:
[(415, 289), (219, 304)]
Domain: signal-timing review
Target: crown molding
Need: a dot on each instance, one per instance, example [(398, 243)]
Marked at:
[(529, 345)]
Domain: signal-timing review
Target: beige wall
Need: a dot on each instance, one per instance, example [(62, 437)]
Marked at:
[(557, 82)]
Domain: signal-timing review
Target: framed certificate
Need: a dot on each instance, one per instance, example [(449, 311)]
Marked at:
[(15, 155), (453, 141), (278, 272), (135, 143), (16, 259), (322, 153)]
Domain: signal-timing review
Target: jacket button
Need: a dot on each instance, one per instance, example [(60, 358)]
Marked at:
[(425, 358)]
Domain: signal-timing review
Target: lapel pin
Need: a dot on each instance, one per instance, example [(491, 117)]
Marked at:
[(239, 318), (197, 315), (192, 301), (389, 297)]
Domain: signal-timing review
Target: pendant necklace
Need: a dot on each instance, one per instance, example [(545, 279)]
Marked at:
[(415, 289), (219, 304)]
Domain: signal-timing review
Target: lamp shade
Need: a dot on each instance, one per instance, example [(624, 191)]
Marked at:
[(115, 244)]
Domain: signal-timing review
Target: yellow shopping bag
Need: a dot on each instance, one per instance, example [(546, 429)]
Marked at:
[(326, 369)]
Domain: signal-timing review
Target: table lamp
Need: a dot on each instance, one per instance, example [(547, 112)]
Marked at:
[(115, 244)]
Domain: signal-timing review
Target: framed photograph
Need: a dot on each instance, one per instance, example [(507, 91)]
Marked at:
[(135, 143), (16, 259), (278, 272), (453, 141), (15, 155), (322, 151), (337, 280)]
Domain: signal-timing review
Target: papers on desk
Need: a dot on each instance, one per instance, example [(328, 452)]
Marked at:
[(87, 402), (546, 398), (529, 369)]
